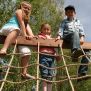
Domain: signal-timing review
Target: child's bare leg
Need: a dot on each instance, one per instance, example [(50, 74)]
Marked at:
[(11, 37), (44, 86), (24, 63), (49, 86)]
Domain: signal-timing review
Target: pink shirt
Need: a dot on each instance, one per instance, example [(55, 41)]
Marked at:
[(47, 50)]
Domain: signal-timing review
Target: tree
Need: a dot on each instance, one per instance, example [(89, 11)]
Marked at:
[(7, 8), (45, 11)]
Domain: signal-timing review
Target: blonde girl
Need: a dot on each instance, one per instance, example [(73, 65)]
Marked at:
[(19, 25)]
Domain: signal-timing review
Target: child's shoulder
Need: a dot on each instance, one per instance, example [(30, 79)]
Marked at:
[(18, 11), (64, 21), (77, 20)]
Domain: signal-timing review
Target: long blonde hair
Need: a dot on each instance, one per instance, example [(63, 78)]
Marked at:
[(25, 16)]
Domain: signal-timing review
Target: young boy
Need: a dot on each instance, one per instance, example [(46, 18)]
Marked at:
[(71, 31)]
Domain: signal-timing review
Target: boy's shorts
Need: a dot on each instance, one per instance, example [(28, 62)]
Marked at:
[(47, 61), (24, 50)]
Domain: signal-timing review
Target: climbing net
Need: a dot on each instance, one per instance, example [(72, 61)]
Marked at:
[(37, 77)]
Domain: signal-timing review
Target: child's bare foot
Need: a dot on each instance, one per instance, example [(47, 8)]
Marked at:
[(26, 76), (2, 52)]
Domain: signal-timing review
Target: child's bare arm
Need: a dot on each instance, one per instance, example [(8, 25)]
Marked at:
[(19, 16), (29, 31)]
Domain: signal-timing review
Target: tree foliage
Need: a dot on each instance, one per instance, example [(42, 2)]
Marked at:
[(7, 8), (45, 11)]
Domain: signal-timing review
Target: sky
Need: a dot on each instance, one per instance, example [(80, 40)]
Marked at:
[(83, 11)]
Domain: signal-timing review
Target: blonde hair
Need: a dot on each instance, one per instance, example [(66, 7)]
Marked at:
[(26, 17), (24, 3)]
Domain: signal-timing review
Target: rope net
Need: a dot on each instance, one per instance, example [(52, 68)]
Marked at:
[(65, 73)]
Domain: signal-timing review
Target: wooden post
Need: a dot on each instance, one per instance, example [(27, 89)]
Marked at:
[(11, 60), (37, 86), (67, 72)]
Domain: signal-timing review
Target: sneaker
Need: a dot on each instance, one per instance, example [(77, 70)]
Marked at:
[(76, 54)]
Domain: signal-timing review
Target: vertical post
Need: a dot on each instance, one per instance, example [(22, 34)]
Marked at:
[(85, 54), (37, 86), (67, 72)]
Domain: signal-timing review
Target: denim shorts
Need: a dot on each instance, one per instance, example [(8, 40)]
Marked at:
[(47, 61)]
